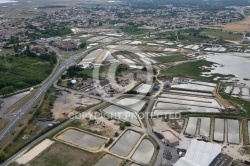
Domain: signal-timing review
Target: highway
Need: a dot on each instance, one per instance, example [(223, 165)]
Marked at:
[(56, 129), (27, 107), (44, 87)]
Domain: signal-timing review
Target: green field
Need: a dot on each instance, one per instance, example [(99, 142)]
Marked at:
[(193, 70), (167, 59), (19, 72), (214, 33), (191, 35)]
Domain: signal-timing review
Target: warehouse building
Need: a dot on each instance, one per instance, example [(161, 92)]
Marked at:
[(200, 153)]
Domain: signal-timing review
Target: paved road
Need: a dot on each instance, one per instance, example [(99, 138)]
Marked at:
[(158, 161), (56, 129), (24, 110), (43, 90), (44, 87)]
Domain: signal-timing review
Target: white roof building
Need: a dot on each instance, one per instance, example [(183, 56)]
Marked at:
[(199, 154)]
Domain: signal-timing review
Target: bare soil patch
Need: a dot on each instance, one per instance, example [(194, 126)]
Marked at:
[(103, 125), (222, 101), (69, 102), (60, 154), (241, 26)]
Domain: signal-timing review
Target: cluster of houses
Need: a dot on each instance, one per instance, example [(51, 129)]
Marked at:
[(67, 44)]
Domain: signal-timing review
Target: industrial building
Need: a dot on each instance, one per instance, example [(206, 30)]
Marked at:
[(200, 153)]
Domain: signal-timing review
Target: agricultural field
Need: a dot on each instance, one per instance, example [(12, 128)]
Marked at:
[(191, 35), (225, 35)]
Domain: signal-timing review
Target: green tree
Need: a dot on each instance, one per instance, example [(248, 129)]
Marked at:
[(83, 44), (7, 90), (59, 81), (53, 59), (10, 59), (127, 123), (2, 156), (122, 126), (15, 47), (109, 142)]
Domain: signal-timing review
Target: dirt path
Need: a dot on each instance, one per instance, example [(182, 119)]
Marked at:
[(222, 101)]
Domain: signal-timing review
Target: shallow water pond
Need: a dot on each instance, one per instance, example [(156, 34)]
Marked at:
[(126, 143)]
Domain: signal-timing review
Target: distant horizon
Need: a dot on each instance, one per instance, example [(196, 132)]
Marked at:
[(7, 1)]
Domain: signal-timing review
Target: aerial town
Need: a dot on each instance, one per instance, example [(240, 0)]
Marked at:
[(124, 83)]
